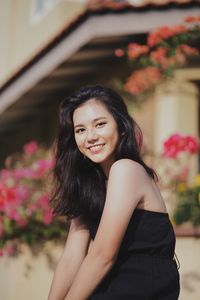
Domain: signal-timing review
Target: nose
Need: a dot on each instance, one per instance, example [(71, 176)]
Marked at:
[(92, 136)]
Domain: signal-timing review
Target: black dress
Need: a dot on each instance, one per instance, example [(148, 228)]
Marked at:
[(145, 267)]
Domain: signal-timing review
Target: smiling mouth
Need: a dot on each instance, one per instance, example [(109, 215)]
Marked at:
[(96, 148)]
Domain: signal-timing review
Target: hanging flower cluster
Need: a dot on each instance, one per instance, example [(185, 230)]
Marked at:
[(167, 48), (24, 196)]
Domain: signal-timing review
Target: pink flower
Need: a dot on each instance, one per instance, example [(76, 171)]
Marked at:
[(5, 174), (9, 249), (172, 152), (14, 215), (30, 147), (119, 52), (20, 173), (183, 176), (43, 201), (177, 143), (42, 166), (27, 173), (22, 193), (191, 144), (173, 145), (47, 217)]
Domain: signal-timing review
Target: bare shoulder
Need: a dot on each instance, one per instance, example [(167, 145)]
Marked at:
[(130, 177), (127, 166)]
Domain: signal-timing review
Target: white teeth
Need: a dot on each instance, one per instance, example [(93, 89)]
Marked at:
[(97, 147)]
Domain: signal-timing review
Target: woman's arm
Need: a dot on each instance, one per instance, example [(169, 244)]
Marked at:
[(75, 250), (93, 269), (125, 189)]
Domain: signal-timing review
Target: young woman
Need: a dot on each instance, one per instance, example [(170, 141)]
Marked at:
[(121, 243)]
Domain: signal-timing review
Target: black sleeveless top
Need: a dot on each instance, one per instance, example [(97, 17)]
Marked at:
[(145, 268)]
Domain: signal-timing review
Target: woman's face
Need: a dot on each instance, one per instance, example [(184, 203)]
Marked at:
[(96, 132)]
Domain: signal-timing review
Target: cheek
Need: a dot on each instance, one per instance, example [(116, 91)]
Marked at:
[(115, 134), (78, 141), (112, 135)]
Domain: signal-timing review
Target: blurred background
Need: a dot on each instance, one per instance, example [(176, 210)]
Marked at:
[(149, 51)]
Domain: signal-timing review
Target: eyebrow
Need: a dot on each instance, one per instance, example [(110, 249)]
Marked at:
[(95, 120)]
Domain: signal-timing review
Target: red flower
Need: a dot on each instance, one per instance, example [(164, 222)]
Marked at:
[(157, 36), (191, 144), (177, 143), (178, 29), (192, 19), (173, 145), (159, 56), (164, 33), (136, 50), (142, 80), (189, 50), (7, 195)]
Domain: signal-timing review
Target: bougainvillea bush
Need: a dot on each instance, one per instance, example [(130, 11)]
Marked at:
[(25, 186), (167, 48), (26, 183), (177, 151)]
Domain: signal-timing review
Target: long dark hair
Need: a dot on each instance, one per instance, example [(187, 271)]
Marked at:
[(80, 183)]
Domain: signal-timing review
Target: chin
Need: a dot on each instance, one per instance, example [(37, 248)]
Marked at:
[(98, 160)]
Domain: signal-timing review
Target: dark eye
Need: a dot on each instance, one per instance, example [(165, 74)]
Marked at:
[(101, 124), (80, 130)]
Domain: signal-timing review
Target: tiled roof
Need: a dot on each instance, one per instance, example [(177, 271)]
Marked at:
[(120, 4)]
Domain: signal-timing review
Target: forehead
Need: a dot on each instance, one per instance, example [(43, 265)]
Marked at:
[(90, 110)]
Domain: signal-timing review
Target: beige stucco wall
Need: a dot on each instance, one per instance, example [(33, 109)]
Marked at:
[(29, 277), (21, 38), (145, 115), (188, 252)]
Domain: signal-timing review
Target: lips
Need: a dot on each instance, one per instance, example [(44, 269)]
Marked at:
[(96, 148)]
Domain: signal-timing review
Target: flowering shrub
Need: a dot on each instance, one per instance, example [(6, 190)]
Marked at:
[(178, 143), (188, 204), (177, 150), (25, 215), (167, 48)]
